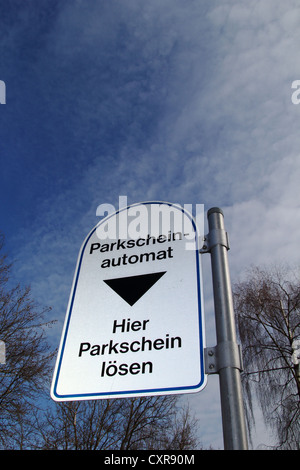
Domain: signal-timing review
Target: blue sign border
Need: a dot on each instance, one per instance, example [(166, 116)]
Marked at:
[(158, 391)]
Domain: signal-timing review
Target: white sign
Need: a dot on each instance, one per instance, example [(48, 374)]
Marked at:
[(134, 323)]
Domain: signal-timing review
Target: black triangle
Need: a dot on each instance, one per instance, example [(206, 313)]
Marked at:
[(132, 288)]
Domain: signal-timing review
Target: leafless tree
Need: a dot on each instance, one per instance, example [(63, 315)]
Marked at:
[(28, 357), (267, 305), (120, 424)]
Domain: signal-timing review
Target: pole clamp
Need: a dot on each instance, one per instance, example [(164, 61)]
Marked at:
[(225, 354), (213, 238)]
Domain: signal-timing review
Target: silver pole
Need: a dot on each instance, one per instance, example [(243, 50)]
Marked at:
[(233, 419)]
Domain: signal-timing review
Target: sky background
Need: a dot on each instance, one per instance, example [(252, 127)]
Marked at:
[(171, 100)]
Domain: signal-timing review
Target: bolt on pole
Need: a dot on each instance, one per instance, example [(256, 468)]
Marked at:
[(229, 364)]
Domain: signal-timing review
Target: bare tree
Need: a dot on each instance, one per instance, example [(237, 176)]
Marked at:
[(28, 358), (87, 425), (120, 424), (267, 305), (183, 432)]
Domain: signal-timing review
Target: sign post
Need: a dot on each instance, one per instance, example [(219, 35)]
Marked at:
[(225, 358), (134, 324)]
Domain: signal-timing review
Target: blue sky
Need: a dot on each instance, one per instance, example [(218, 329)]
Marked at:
[(187, 102)]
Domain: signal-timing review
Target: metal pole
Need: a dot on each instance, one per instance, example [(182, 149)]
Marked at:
[(233, 419)]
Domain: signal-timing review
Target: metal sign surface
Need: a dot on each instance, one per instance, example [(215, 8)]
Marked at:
[(134, 323)]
